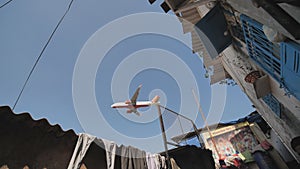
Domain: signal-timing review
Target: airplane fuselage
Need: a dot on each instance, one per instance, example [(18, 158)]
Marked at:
[(130, 106)]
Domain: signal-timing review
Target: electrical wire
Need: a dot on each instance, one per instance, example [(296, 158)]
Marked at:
[(40, 55), (6, 3)]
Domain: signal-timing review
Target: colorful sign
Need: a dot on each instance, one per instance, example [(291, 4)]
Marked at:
[(231, 142)]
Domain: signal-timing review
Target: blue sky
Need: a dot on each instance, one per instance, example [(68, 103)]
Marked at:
[(25, 28)]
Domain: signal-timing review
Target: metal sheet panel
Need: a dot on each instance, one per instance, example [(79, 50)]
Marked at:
[(189, 18), (212, 30), (219, 71)]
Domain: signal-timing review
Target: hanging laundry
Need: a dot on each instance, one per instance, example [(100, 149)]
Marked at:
[(160, 161), (155, 161), (110, 148), (151, 162), (117, 157), (132, 158), (174, 164), (163, 162), (83, 143)]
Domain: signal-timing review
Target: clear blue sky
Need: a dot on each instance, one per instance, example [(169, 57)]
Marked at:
[(25, 28)]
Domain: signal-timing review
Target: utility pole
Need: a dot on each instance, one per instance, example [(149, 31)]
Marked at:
[(164, 135)]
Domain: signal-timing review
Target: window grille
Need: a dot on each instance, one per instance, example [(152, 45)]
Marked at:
[(265, 53), (273, 103)]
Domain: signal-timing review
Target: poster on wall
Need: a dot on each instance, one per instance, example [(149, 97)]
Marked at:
[(234, 141)]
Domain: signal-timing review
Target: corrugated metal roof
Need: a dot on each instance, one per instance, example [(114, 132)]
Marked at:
[(219, 71), (175, 3), (252, 117), (189, 18), (197, 45), (38, 144), (35, 143)]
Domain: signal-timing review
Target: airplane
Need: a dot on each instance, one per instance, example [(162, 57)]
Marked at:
[(132, 105)]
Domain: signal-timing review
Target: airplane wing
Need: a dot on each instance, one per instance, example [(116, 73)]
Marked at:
[(135, 96)]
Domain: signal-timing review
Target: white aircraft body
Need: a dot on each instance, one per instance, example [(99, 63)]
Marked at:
[(132, 105)]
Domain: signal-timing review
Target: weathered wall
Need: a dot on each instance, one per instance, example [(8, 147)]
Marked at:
[(286, 127), (246, 7)]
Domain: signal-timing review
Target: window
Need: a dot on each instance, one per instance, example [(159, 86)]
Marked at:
[(260, 49), (281, 61), (273, 103)]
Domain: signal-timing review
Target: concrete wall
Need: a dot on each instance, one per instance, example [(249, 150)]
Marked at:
[(246, 7), (281, 149), (286, 127)]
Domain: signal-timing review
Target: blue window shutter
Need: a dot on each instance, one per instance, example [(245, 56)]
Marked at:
[(281, 62), (290, 67), (260, 49)]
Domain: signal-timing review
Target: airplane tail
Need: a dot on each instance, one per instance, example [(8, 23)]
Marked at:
[(155, 99), (132, 111)]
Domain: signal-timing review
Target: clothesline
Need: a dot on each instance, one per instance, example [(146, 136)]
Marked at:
[(130, 157)]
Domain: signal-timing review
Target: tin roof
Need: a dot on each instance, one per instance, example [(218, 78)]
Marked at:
[(35, 143)]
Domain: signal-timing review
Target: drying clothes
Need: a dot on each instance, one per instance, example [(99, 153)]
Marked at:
[(110, 148), (156, 161), (174, 164), (153, 161), (83, 143), (160, 162), (133, 158), (163, 162)]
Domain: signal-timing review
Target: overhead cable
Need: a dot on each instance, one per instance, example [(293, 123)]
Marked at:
[(41, 54), (6, 3)]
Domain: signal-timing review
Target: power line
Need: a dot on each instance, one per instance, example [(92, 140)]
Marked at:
[(5, 3), (40, 55)]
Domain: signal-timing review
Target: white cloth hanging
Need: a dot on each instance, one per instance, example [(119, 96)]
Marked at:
[(110, 148), (153, 161), (83, 143)]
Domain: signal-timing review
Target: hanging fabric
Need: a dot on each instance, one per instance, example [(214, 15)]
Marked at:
[(127, 157), (151, 162), (163, 162), (132, 158), (155, 161), (83, 143), (174, 164), (110, 148)]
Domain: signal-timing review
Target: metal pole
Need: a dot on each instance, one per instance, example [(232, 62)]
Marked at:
[(198, 136), (206, 125), (194, 125), (163, 135)]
